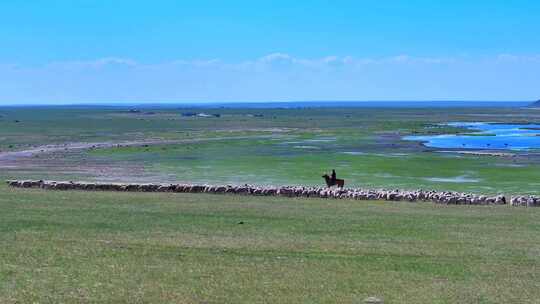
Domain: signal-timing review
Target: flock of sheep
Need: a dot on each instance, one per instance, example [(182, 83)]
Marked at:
[(444, 197)]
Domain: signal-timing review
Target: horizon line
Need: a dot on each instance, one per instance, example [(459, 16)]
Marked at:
[(207, 103)]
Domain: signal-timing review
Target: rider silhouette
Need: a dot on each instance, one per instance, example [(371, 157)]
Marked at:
[(333, 176)]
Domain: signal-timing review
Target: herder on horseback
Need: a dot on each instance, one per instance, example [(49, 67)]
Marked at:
[(333, 181)]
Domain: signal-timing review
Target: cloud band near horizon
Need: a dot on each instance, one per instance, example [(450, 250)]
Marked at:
[(274, 77)]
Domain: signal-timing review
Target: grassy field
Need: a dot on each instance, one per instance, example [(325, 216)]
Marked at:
[(81, 247), (267, 146)]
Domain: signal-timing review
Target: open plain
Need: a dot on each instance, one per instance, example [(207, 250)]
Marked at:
[(100, 246), (278, 146), (110, 247)]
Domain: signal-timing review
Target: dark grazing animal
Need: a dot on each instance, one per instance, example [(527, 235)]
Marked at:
[(337, 182)]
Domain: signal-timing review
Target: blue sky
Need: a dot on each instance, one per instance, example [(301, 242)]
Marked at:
[(73, 51)]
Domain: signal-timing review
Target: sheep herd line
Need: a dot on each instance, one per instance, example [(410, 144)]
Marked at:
[(439, 197)]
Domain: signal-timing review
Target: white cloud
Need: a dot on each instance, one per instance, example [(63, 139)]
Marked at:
[(276, 76), (97, 63), (518, 58), (276, 57), (267, 61), (197, 62), (283, 60)]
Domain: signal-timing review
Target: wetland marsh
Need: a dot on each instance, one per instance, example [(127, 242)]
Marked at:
[(405, 148), (111, 247)]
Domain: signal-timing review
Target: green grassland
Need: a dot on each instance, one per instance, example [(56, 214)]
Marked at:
[(270, 146), (104, 247), (25, 126), (265, 162)]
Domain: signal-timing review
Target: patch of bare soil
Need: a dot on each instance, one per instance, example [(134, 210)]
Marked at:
[(12, 155), (66, 160)]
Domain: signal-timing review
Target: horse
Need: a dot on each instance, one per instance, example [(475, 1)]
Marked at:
[(329, 182)]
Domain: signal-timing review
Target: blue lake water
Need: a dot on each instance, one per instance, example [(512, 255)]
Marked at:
[(488, 136)]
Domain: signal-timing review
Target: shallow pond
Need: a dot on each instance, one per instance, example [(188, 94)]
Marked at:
[(486, 136)]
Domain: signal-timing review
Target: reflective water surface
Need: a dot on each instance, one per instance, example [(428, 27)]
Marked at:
[(486, 136)]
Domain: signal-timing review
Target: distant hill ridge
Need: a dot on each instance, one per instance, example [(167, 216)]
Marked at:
[(536, 104)]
